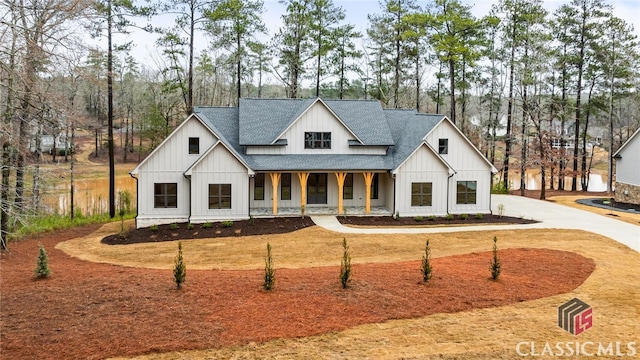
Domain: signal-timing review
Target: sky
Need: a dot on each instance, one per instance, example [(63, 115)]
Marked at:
[(356, 12)]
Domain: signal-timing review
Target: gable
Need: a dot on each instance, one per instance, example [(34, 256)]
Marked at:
[(318, 118), (424, 159), (173, 153), (462, 154), (218, 159)]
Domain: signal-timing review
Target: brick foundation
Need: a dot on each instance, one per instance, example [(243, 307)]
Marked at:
[(627, 193)]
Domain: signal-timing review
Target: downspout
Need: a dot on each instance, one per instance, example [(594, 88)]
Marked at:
[(249, 196), (137, 199), (189, 179), (490, 181), (393, 176), (448, 186)]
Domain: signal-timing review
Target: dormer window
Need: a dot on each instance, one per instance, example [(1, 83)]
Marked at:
[(443, 146), (317, 140), (194, 145)]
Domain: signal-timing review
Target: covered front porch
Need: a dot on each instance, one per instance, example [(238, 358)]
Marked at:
[(310, 211), (321, 193)]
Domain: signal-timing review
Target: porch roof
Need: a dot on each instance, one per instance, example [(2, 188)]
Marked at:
[(319, 162)]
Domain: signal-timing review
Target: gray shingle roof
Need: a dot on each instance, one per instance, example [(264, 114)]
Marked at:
[(260, 121)]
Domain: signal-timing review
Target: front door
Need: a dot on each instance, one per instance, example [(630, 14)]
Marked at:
[(317, 189)]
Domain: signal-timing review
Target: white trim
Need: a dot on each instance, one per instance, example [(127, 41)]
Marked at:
[(188, 172), (305, 111), (425, 143)]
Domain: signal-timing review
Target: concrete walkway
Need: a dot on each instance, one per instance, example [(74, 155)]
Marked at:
[(550, 215)]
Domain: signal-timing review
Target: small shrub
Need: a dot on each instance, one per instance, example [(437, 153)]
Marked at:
[(227, 223), (417, 218), (207, 225), (426, 268), (190, 226), (153, 228), (42, 265), (269, 271), (173, 226), (179, 269), (495, 262), (479, 216), (431, 218), (464, 216), (501, 210), (499, 188), (396, 216), (449, 217), (251, 220), (345, 265)]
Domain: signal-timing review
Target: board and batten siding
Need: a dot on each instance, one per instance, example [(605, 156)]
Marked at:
[(469, 166), (219, 167), (422, 167), (167, 165), (628, 165), (317, 119)]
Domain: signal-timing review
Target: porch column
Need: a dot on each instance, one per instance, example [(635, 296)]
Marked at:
[(340, 176), (303, 177), (368, 178), (275, 180)]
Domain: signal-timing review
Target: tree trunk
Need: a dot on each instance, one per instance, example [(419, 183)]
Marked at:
[(112, 180), (452, 83)]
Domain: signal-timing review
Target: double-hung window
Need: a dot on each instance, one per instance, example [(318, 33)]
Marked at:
[(466, 192), (421, 194), (219, 196), (165, 195)]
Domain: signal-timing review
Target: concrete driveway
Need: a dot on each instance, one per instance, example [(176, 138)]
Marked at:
[(550, 215)]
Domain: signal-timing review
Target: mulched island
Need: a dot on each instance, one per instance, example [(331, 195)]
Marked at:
[(281, 225), (92, 310)]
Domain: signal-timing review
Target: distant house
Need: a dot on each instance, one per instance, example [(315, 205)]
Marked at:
[(628, 170), (46, 144), (279, 156)]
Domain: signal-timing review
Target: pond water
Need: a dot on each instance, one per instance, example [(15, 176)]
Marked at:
[(91, 196)]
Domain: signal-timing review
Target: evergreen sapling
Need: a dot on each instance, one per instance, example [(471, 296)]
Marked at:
[(42, 265), (345, 265), (426, 268), (269, 271), (495, 262), (179, 270)]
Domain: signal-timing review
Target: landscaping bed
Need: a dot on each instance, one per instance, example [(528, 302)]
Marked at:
[(480, 219)]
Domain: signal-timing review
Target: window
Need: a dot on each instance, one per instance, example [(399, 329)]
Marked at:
[(466, 192), (219, 196), (374, 187), (258, 187), (421, 194), (347, 188), (443, 146), (317, 140), (194, 145), (285, 186), (165, 195)]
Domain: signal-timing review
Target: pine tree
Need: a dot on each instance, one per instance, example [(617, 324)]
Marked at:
[(269, 271), (495, 262), (345, 265), (179, 270), (42, 265), (426, 263)]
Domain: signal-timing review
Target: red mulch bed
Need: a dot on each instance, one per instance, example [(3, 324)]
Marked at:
[(88, 310)]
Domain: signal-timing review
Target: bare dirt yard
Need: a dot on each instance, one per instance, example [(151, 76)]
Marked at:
[(119, 300)]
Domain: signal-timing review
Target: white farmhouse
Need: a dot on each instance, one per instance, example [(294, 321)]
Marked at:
[(308, 156), (628, 171)]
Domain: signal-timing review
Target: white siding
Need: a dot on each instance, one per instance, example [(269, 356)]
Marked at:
[(423, 166), (317, 119), (167, 165), (628, 167), (469, 166), (219, 167)]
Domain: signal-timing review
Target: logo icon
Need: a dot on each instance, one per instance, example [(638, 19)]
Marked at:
[(575, 316)]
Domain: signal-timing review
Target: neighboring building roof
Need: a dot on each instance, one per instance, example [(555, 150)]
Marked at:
[(629, 141)]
